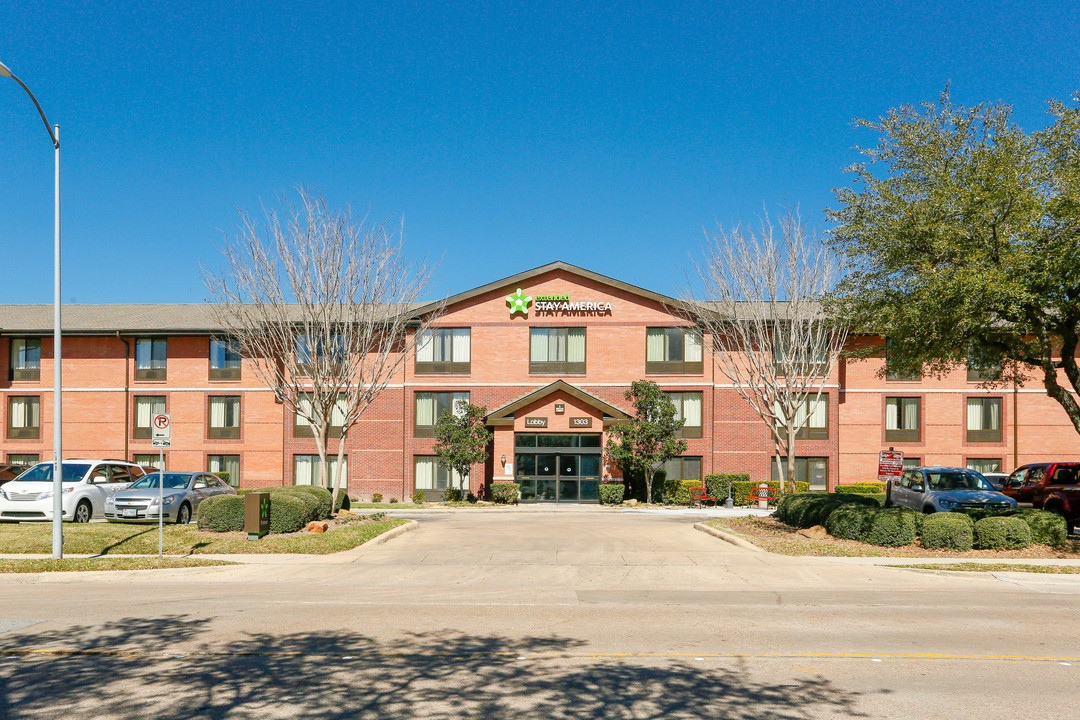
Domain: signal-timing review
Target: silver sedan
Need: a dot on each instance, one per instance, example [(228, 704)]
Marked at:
[(180, 497)]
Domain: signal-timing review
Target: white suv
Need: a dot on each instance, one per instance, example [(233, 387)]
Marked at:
[(86, 484)]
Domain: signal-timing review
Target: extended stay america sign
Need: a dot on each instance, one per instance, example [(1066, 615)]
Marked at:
[(556, 305)]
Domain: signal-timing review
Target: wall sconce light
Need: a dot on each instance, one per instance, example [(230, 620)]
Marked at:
[(503, 459)]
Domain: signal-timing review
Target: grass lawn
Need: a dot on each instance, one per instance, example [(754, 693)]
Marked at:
[(105, 563), (770, 534), (135, 539), (998, 567)]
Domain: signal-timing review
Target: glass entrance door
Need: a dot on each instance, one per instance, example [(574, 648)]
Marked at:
[(558, 468)]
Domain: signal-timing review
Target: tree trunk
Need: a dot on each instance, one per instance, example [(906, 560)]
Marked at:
[(791, 459)]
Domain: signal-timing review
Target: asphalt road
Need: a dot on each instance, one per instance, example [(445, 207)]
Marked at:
[(540, 614)]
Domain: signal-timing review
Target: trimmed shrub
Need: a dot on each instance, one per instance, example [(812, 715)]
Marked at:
[(808, 509), (289, 511), (453, 494), (612, 493), (393, 500), (224, 475), (997, 533), (947, 531), (222, 513), (505, 493), (418, 497), (741, 485), (892, 527), (863, 488), (323, 499), (664, 491), (850, 521), (1047, 528), (680, 494), (376, 497)]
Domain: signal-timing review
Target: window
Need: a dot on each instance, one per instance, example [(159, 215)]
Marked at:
[(25, 358), (224, 417), (812, 418), (984, 419), (431, 405), (443, 350), (984, 465), (430, 475), (306, 470), (147, 460), (556, 350), (226, 467), (983, 364), (683, 468), (306, 409), (812, 470), (150, 356), (23, 459), (224, 360), (24, 417), (902, 419), (311, 351), (688, 409), (910, 462), (803, 359), (673, 350), (893, 371), (146, 407)]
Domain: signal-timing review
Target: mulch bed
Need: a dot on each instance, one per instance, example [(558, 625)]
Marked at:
[(774, 536)]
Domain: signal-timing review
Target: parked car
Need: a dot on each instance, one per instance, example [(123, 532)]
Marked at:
[(941, 489), (85, 483), (10, 472), (997, 479), (1053, 486), (181, 495)]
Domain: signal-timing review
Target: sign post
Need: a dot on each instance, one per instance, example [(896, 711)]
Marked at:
[(890, 465), (161, 435)]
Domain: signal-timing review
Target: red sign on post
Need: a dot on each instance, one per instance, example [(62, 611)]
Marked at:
[(890, 465)]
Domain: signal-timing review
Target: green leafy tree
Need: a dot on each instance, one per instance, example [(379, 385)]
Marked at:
[(963, 232), (650, 438), (462, 438)]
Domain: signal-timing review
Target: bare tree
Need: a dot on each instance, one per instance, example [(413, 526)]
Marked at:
[(319, 303), (760, 301)]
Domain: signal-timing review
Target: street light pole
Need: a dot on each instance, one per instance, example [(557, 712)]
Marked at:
[(58, 456)]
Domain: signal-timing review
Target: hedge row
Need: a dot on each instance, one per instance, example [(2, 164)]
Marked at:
[(863, 488), (291, 508), (859, 517), (716, 485)]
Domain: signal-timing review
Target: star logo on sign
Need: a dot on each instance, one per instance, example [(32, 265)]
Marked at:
[(519, 302)]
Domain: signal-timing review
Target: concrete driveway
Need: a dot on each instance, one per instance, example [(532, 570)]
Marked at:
[(508, 614)]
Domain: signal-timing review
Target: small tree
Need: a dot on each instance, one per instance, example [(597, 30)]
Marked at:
[(462, 438), (761, 306), (650, 438), (319, 305)]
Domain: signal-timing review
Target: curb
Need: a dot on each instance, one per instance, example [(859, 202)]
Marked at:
[(727, 537), (391, 534)]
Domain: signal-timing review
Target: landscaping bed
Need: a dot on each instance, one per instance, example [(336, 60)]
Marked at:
[(770, 534), (105, 564)]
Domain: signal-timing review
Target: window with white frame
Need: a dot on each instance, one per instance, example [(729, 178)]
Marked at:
[(688, 409), (556, 350), (984, 419), (306, 470), (306, 408), (146, 407), (443, 351), (902, 419), (430, 406), (150, 357), (430, 475), (673, 350), (226, 467), (224, 417)]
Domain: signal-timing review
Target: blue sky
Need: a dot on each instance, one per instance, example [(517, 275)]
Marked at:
[(506, 134)]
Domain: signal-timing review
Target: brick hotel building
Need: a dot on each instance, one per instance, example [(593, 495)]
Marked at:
[(549, 352)]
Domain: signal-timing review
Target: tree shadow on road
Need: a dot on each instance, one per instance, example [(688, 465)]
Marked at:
[(156, 668)]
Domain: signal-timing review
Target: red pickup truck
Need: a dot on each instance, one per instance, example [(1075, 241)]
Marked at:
[(1053, 486)]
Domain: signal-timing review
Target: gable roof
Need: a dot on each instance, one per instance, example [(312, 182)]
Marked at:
[(505, 414), (523, 277)]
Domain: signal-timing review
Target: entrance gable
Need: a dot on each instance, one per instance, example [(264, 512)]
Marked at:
[(574, 399)]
